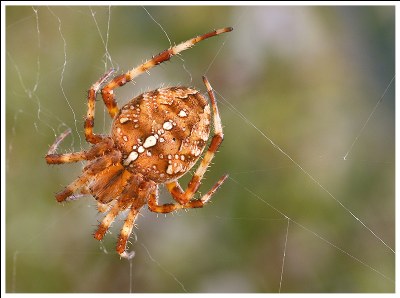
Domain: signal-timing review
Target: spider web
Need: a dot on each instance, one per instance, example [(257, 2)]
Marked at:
[(307, 102)]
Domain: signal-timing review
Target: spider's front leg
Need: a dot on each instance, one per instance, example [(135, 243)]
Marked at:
[(53, 158), (97, 150), (89, 122), (108, 91)]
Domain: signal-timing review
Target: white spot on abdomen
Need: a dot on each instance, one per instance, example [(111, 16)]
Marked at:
[(182, 114), (167, 125), (175, 168), (169, 170), (150, 142), (123, 120), (131, 157), (195, 151)]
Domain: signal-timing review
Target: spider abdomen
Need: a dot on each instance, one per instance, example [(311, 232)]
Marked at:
[(162, 133)]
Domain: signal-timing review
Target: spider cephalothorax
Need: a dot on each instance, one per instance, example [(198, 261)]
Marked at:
[(155, 138)]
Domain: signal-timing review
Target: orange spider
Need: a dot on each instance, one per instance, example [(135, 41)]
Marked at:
[(155, 139)]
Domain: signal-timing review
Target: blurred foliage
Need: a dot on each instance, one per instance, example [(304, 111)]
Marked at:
[(306, 78)]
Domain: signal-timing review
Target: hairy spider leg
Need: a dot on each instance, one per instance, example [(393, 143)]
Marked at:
[(89, 121), (90, 170), (134, 197), (97, 150), (107, 91), (154, 206), (126, 231), (124, 201), (183, 197), (107, 221)]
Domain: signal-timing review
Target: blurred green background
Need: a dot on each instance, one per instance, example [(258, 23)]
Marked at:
[(305, 77)]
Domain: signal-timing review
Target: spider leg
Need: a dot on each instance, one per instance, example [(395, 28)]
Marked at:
[(109, 184), (129, 198), (97, 150), (58, 140), (183, 197), (90, 170), (103, 208), (154, 206), (177, 193), (53, 158), (89, 122), (107, 91), (126, 231), (68, 191), (107, 221)]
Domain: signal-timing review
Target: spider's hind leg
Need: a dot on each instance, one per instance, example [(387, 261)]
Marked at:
[(185, 197), (184, 202)]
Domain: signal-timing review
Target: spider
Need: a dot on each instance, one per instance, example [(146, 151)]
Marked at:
[(155, 139)]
